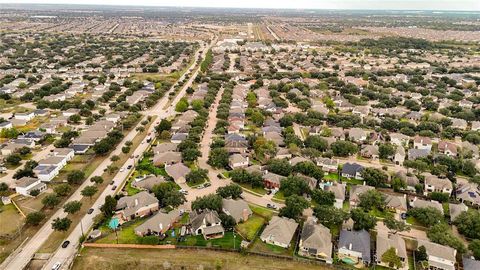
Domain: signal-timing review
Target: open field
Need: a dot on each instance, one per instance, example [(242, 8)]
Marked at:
[(10, 219), (118, 259)]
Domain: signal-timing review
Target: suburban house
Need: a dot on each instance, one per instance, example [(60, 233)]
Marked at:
[(279, 231), (46, 172), (158, 224), (456, 209), (25, 185), (272, 180), (66, 153), (399, 156), (237, 161), (327, 164), (369, 151), (424, 143), (417, 203), (357, 134), (338, 190), (206, 223), (352, 170), (178, 172), (167, 158), (354, 248), (356, 191), (316, 241), (440, 257), (470, 264), (138, 205), (397, 203), (238, 209), (147, 183), (467, 192), (435, 184), (386, 242), (447, 148)]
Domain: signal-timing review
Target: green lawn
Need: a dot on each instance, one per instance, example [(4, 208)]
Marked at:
[(331, 177), (279, 196), (126, 233), (261, 211), (352, 181), (250, 228), (129, 189), (259, 246), (380, 214), (258, 190)]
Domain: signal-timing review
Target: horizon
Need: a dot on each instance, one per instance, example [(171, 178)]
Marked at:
[(368, 5)]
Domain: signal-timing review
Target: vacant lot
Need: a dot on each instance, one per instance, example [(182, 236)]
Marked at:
[(118, 259), (10, 219)]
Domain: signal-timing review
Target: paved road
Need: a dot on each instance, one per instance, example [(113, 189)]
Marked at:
[(65, 255), (8, 178)]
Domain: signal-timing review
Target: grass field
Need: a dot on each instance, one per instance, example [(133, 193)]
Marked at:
[(261, 211), (126, 259), (10, 219), (250, 228)]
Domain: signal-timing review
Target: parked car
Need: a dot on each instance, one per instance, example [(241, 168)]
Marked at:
[(271, 206), (56, 266), (114, 187), (122, 169), (207, 184), (65, 244), (129, 167), (113, 182), (90, 211)]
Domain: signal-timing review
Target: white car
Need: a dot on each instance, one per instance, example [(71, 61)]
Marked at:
[(56, 266), (122, 169)]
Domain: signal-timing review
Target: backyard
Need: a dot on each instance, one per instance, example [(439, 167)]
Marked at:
[(250, 228)]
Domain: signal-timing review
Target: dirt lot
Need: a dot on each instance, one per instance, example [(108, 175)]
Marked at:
[(118, 259)]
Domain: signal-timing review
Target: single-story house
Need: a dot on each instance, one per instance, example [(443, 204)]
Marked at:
[(279, 231)]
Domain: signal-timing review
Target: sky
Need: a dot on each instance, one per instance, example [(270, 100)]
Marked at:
[(466, 5)]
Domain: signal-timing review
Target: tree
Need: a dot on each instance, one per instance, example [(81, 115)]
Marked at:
[(34, 218), (74, 119), (62, 189), (197, 176), (96, 179), (218, 158), (386, 150), (125, 149), (374, 177), (279, 166), (211, 201), (51, 200), (294, 185), (13, 159), (61, 224), (228, 222), (34, 192), (109, 206), (439, 196), (474, 246), (468, 224), (182, 105), (115, 158), (427, 216), (441, 234), (330, 216), (323, 197), (190, 154), (164, 125), (197, 104), (257, 118), (343, 148), (391, 258), (316, 142), (233, 191), (72, 207), (395, 225), (168, 195), (24, 151), (75, 177), (421, 254), (294, 206), (398, 184), (363, 220), (89, 191), (372, 199)]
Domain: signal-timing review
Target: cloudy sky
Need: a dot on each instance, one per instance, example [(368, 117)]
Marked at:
[(467, 5)]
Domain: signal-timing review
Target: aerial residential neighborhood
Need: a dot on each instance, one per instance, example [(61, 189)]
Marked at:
[(137, 137)]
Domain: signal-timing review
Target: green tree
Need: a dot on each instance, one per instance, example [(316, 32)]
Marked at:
[(75, 177), (190, 154), (330, 216), (89, 191), (294, 206), (228, 222), (372, 199), (72, 207), (62, 189), (468, 224), (391, 258), (279, 166), (441, 234), (50, 201), (13, 159), (96, 179), (164, 125), (316, 142), (115, 158), (109, 206), (343, 148), (218, 158), (294, 185), (182, 105), (421, 254), (211, 201), (374, 177), (197, 176), (34, 218), (386, 150), (474, 246), (61, 224), (395, 225), (233, 191), (257, 118), (323, 197), (427, 216), (168, 195), (363, 220)]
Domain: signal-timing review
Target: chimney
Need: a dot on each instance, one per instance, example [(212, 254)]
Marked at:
[(350, 246), (136, 202)]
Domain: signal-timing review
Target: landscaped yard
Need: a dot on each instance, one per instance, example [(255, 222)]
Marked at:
[(331, 177), (258, 190), (261, 211), (227, 241), (250, 228), (126, 233)]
